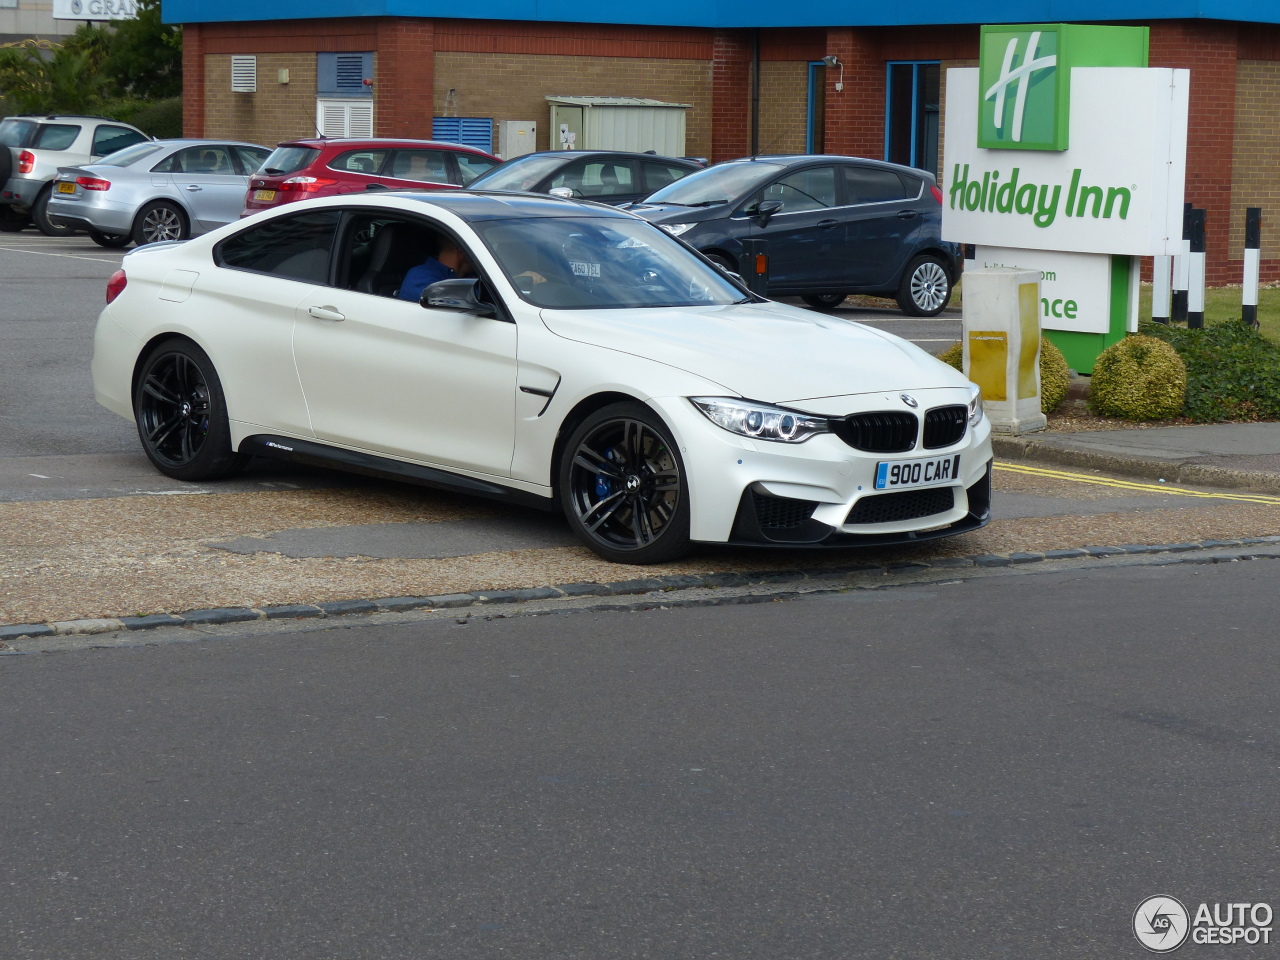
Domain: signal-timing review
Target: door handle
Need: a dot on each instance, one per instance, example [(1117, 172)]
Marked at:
[(193, 187), (827, 224), (907, 214), (325, 313)]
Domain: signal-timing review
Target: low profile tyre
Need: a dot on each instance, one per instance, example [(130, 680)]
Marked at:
[(623, 487), (11, 221), (925, 288), (824, 301), (40, 215), (159, 221), (109, 239), (182, 414)]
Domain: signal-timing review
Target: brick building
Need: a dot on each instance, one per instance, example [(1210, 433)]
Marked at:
[(752, 76)]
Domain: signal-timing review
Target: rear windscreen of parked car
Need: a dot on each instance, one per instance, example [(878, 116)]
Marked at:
[(288, 160), (122, 158)]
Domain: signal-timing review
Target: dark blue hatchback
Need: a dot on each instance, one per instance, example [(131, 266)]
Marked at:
[(834, 226)]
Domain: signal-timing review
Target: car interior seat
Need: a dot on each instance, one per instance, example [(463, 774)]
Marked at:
[(396, 248)]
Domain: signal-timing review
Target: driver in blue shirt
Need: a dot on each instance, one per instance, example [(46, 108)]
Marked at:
[(449, 262)]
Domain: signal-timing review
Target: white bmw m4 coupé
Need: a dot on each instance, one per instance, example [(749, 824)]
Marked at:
[(561, 354)]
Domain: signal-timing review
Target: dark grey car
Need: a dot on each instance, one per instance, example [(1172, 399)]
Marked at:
[(833, 225)]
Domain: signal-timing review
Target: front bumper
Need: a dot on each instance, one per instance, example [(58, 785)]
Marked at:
[(809, 494)]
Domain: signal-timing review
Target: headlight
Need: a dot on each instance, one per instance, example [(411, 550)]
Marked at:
[(760, 421), (675, 229), (975, 405)]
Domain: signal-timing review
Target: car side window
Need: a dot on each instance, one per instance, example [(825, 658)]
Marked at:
[(471, 166), (204, 159), (812, 189), (251, 158), (56, 136), (108, 139), (423, 166), (597, 178), (294, 248), (367, 162), (870, 185), (659, 175)]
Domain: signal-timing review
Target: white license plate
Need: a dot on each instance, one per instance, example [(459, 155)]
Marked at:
[(896, 474)]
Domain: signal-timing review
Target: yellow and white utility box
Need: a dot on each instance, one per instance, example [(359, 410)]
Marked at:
[(1002, 345)]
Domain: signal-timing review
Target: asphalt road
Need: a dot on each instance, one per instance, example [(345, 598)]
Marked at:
[(57, 443), (999, 767)]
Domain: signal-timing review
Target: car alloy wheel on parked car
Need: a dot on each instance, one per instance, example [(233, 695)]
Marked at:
[(926, 288), (158, 222)]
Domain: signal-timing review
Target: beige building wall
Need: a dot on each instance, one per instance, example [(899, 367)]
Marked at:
[(784, 105), (278, 111), (514, 87), (1255, 163)]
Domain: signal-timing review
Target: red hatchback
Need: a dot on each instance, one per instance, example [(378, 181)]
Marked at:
[(301, 169)]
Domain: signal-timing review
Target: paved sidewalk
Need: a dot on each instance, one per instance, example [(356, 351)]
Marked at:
[(1243, 456)]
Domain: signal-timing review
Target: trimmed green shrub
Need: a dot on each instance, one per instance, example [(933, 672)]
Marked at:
[(159, 118), (1054, 375), (1139, 378), (1233, 372)]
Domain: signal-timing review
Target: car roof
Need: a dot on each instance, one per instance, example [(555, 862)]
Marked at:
[(579, 154), (502, 205), (792, 160), (371, 142)]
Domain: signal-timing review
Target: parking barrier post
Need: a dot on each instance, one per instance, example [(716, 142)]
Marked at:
[(1181, 263), (1195, 272), (1252, 256), (1161, 289)]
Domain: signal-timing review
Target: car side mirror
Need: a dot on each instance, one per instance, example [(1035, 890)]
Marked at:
[(765, 210), (564, 193), (458, 293)]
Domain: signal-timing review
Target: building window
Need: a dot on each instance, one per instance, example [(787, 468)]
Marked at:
[(815, 123), (344, 75), (911, 114), (344, 118)]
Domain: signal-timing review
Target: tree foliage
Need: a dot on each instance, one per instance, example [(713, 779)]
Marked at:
[(129, 60)]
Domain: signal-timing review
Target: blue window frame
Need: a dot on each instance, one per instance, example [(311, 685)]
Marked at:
[(911, 113)]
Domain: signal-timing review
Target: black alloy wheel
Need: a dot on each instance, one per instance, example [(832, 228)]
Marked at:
[(40, 214), (622, 486), (109, 239), (825, 302), (159, 221), (11, 220), (182, 415), (926, 287)]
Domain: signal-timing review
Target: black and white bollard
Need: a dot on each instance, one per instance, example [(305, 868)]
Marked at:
[(1252, 256), (1195, 272), (1181, 263), (1161, 282)]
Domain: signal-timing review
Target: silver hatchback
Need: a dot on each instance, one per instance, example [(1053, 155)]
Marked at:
[(163, 190)]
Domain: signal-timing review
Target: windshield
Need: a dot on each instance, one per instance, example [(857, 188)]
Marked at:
[(726, 181), (522, 173), (16, 133), (122, 158), (288, 160), (577, 263)]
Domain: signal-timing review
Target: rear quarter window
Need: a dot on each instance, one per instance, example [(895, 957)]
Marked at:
[(56, 136), (293, 248)]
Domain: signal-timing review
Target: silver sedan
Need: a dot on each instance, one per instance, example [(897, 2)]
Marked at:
[(162, 190)]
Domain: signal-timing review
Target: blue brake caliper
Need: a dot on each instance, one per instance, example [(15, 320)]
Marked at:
[(604, 485)]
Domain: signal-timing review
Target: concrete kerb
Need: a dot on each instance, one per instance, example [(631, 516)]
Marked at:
[(1045, 450), (655, 585)]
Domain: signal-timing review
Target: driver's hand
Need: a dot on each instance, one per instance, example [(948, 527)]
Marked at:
[(532, 275)]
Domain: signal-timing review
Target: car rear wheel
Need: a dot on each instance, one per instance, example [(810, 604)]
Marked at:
[(109, 239), (11, 220), (159, 221), (40, 214), (925, 288), (824, 301), (182, 414), (623, 488)]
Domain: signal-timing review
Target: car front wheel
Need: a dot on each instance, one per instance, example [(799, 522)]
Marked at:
[(925, 288), (159, 221), (182, 414), (623, 488)]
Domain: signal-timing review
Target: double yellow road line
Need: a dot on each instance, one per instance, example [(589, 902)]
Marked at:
[(1161, 488)]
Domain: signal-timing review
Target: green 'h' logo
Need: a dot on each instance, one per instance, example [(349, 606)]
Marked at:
[(1019, 96)]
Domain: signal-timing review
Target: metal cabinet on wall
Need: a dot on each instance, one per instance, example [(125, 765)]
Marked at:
[(617, 123)]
